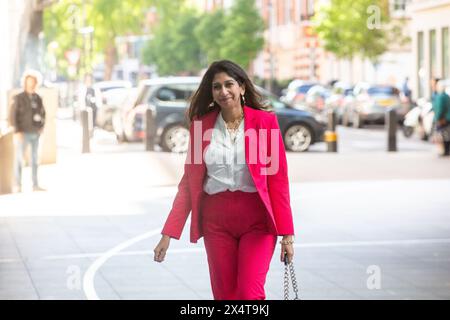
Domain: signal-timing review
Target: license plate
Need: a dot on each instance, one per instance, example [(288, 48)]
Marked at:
[(386, 102)]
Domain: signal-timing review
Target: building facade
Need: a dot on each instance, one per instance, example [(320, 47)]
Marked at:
[(292, 50), (430, 33)]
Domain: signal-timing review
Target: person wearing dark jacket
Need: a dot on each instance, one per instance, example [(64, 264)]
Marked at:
[(27, 116), (441, 108)]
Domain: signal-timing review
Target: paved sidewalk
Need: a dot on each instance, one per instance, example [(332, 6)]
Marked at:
[(354, 214)]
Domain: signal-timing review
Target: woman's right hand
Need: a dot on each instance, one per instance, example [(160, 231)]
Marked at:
[(161, 248)]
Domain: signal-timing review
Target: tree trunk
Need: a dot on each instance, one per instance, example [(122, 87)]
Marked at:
[(110, 60)]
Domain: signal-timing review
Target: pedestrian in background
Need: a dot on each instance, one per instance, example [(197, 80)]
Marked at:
[(238, 207), (27, 116), (433, 86), (441, 108)]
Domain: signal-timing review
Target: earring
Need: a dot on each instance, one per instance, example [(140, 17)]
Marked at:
[(243, 98), (211, 105)]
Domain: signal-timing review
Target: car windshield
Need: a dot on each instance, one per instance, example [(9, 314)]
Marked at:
[(348, 92), (111, 88), (304, 88), (271, 100), (373, 91)]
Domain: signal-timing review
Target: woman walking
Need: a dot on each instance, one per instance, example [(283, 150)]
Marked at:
[(235, 183)]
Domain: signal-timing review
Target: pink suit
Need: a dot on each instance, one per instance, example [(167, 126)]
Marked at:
[(238, 255)]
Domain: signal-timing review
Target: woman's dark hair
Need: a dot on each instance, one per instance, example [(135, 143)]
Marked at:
[(201, 99)]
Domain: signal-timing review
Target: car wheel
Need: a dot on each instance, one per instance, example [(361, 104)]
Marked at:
[(345, 119), (298, 138), (175, 139), (121, 137)]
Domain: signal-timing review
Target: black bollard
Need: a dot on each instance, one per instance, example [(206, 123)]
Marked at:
[(391, 123), (86, 135), (150, 128), (330, 134)]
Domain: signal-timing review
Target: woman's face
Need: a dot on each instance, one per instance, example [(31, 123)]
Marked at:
[(226, 91)]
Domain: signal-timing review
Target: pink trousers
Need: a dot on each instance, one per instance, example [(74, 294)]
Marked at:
[(238, 244)]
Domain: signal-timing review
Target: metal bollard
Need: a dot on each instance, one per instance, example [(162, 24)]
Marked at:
[(85, 124), (150, 129), (330, 134), (391, 123)]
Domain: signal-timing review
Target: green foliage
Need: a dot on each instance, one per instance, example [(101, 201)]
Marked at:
[(209, 32), (109, 18), (242, 38), (174, 48), (353, 27), (185, 42)]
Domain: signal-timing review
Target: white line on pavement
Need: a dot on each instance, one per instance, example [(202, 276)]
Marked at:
[(88, 280), (297, 245)]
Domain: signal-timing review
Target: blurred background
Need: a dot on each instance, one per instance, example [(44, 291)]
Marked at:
[(351, 83)]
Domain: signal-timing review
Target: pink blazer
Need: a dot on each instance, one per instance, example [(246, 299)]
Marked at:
[(266, 160)]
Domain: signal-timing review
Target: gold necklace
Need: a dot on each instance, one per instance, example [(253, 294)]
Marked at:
[(234, 125)]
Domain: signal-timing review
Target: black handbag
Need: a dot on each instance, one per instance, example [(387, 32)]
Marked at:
[(289, 271)]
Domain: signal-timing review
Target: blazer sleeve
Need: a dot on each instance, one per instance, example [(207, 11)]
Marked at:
[(43, 113), (278, 183), (181, 206)]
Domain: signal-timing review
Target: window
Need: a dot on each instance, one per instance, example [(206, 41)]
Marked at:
[(306, 9), (310, 8), (375, 91), (175, 93), (445, 54), (400, 5), (420, 65), (287, 11), (433, 64)]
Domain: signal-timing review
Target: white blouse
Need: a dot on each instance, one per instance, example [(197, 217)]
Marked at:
[(225, 161)]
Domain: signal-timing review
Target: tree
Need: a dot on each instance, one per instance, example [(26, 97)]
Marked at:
[(353, 27), (109, 18), (209, 32), (174, 48), (242, 38), (185, 42)]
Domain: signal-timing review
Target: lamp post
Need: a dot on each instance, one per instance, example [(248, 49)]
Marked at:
[(87, 32)]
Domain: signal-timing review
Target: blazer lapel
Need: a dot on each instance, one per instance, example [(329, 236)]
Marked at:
[(207, 123), (249, 128)]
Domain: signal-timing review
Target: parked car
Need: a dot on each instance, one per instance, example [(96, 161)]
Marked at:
[(316, 97), (120, 112), (169, 97), (112, 100), (299, 128), (339, 96), (371, 102), (102, 87), (296, 93)]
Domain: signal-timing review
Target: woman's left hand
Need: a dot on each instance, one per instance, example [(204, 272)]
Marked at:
[(287, 247)]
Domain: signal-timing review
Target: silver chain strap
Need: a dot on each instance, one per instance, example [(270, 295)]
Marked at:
[(289, 269)]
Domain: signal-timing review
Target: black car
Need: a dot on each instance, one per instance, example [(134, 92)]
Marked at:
[(169, 97)]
